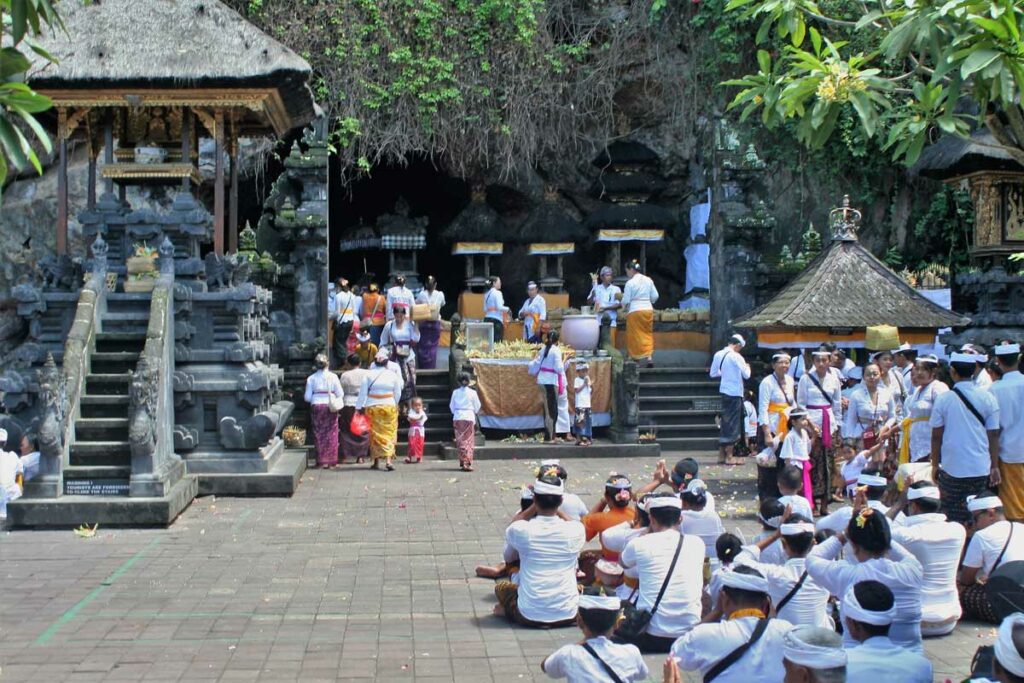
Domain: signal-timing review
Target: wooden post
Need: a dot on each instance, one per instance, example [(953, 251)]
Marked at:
[(90, 197), (218, 183), (643, 257), (122, 189), (233, 195), (62, 182), (186, 142), (719, 295)]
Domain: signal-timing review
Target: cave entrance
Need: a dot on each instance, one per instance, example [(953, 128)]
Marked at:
[(388, 200)]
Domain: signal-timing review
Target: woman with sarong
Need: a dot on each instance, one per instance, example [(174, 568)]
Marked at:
[(430, 330), (820, 393), (378, 399), (775, 396), (352, 445), (464, 407), (638, 298), (550, 372), (399, 337), (374, 315), (915, 432), (320, 387), (871, 408)]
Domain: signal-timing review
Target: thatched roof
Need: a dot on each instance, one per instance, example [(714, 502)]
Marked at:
[(631, 216), (847, 287), (551, 222), (153, 44), (953, 157), (478, 222), (626, 153)]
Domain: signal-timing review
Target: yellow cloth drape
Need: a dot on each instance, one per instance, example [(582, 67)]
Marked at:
[(781, 410), (631, 582), (1011, 490), (534, 320), (383, 430), (905, 442), (640, 334)]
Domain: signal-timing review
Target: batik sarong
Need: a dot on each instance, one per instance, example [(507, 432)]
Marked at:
[(352, 446), (325, 434), (383, 431), (430, 336), (465, 440)]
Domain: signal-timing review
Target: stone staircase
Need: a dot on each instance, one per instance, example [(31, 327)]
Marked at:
[(101, 453), (679, 405), (432, 386)]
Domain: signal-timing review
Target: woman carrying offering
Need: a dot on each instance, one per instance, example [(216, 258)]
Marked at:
[(352, 445), (430, 330), (378, 398), (320, 387), (400, 335)]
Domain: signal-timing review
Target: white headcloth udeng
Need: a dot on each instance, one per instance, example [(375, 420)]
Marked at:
[(544, 488), (609, 603), (747, 582), (1006, 652), (796, 528), (924, 492), (979, 503), (812, 656), (664, 502), (852, 609)]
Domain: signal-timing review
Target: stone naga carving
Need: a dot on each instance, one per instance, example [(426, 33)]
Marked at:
[(226, 271), (142, 408), (53, 399), (166, 252), (60, 272)]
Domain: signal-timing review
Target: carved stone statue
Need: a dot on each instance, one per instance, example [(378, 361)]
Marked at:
[(226, 271), (52, 398), (59, 272), (142, 406)]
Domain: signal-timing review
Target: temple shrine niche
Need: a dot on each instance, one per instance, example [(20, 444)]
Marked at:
[(152, 368), (992, 291)]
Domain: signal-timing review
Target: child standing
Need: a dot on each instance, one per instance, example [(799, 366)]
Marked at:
[(464, 406), (591, 660), (417, 433), (749, 424), (583, 386), (796, 449)]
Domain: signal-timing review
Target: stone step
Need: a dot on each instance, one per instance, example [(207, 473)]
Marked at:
[(694, 387), (98, 383), (97, 472), (113, 362), (120, 341), (680, 430), (99, 406), (126, 315), (136, 328), (688, 444), (89, 453), (102, 428), (673, 374), (125, 297), (679, 402), (677, 417)]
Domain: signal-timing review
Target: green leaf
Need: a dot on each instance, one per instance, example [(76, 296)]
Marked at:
[(866, 113), (3, 172), (11, 141), (12, 62), (997, 28), (764, 60), (37, 128), (19, 12), (799, 31), (869, 18), (978, 60), (816, 40)]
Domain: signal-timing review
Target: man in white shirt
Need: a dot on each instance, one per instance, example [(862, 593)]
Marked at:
[(965, 440), (812, 654), (533, 313), (606, 297), (591, 660), (653, 555), (868, 610), (344, 315), (12, 475), (875, 487), (733, 369), (745, 604), (937, 544), (1008, 666), (903, 357), (1009, 393), (979, 375), (546, 544), (995, 542)]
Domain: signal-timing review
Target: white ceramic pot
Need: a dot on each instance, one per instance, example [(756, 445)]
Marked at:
[(581, 332), (150, 154)]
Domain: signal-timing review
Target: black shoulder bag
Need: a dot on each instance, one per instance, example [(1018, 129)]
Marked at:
[(736, 654), (607, 668), (789, 596), (634, 621), (969, 406), (814, 379)]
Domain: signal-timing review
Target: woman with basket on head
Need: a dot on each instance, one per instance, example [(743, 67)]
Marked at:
[(324, 396), (355, 436)]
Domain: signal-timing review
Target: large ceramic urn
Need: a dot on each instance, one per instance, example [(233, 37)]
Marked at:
[(581, 332)]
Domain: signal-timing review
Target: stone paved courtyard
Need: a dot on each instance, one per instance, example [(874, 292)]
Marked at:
[(360, 576)]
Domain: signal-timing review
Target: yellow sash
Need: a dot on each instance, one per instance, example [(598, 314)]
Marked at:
[(631, 582), (535, 328), (780, 410), (905, 443)]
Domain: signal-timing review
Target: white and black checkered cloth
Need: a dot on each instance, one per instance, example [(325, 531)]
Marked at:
[(403, 241)]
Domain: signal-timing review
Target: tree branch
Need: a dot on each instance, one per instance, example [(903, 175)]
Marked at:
[(1001, 135)]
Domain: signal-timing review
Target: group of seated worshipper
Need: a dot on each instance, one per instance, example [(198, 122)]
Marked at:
[(848, 594)]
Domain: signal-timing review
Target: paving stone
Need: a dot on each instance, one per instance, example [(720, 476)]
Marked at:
[(360, 576)]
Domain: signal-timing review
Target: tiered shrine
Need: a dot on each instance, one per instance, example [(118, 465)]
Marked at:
[(157, 377)]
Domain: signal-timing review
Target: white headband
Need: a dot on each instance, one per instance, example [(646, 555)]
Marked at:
[(1006, 652), (826, 354), (544, 488), (737, 339), (929, 359), (526, 493), (619, 482), (773, 522), (746, 582), (852, 609), (923, 492), (796, 412), (979, 503), (812, 656), (550, 463), (608, 567), (602, 602), (964, 358), (696, 485), (664, 502), (796, 528), (871, 480), (902, 347), (780, 355), (1007, 349)]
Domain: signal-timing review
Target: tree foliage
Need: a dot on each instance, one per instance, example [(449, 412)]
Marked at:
[(19, 21), (473, 83), (903, 68)]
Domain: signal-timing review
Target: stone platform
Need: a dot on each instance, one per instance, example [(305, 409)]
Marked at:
[(498, 450), (280, 479), (70, 511)]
